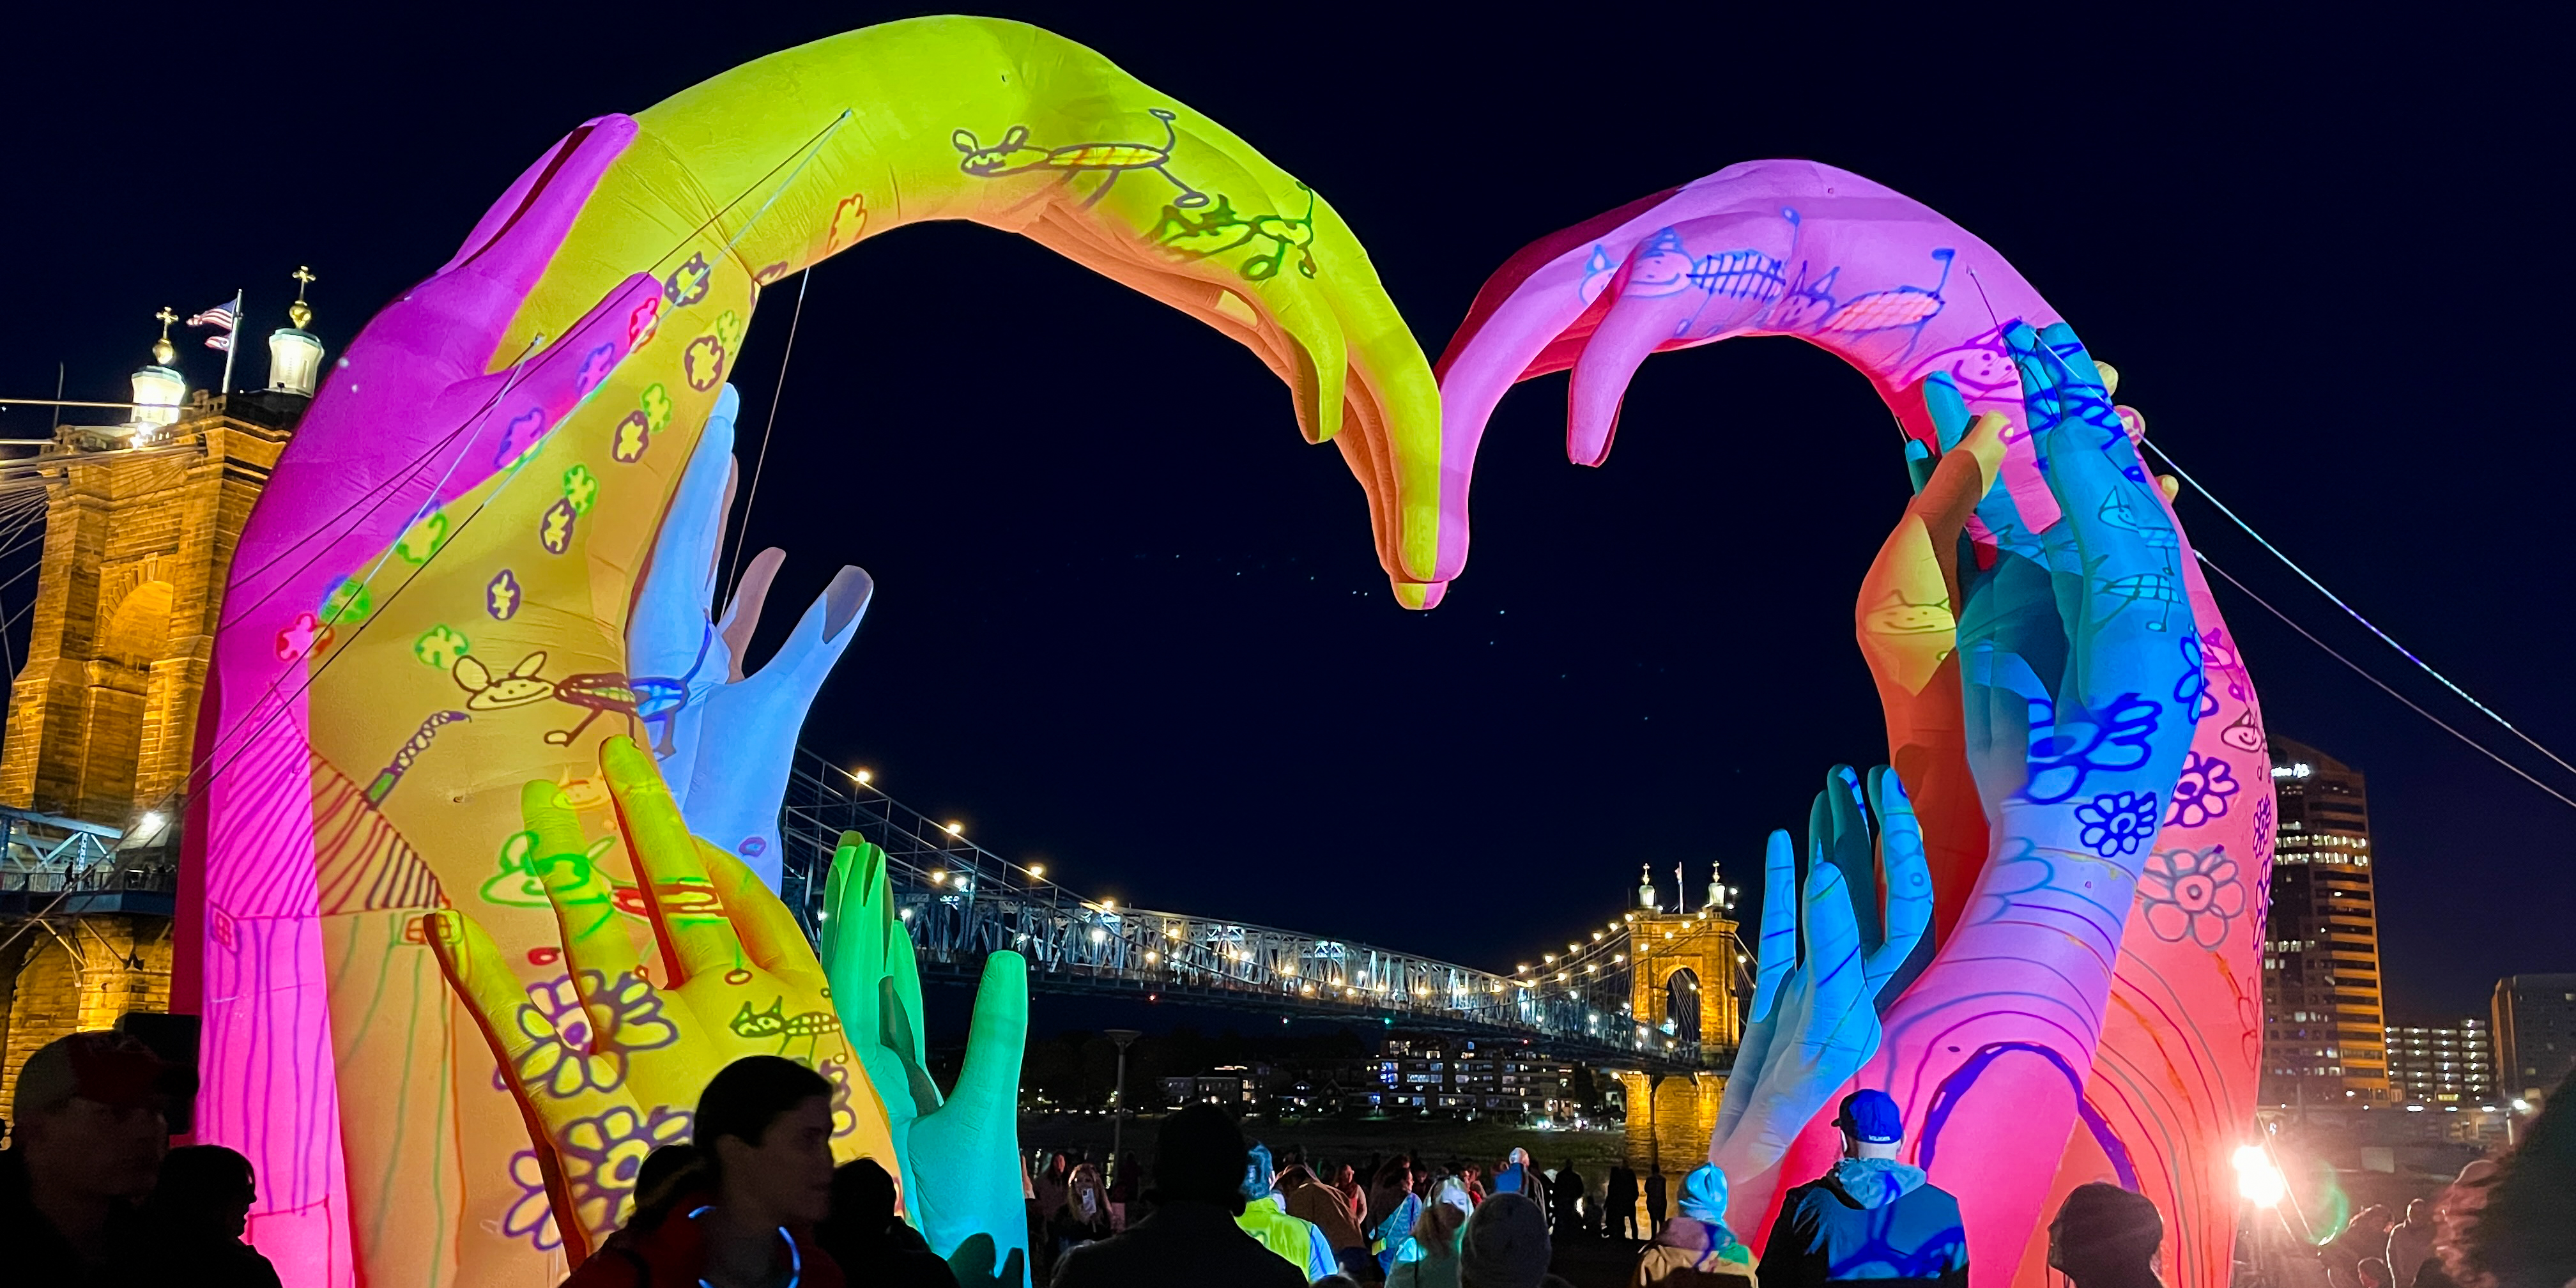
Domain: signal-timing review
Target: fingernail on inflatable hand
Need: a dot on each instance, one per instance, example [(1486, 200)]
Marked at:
[(604, 1061), (961, 1170), (1814, 1021)]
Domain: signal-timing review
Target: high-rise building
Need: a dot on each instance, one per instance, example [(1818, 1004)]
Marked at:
[(141, 519), (2324, 1030), (2442, 1065), (2535, 1028)]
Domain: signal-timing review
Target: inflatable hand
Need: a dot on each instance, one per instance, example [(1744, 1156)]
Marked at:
[(1909, 633), (686, 664), (960, 1155), (432, 604), (1924, 308), (2066, 646), (619, 1072), (1815, 1013)]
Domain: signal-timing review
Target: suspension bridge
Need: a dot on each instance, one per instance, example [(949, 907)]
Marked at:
[(963, 903)]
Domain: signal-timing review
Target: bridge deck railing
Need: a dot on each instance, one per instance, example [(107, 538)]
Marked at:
[(963, 903)]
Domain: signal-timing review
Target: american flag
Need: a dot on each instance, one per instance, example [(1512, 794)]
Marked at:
[(221, 317)]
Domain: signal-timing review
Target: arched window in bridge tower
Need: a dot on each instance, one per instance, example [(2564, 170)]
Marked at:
[(1681, 1004)]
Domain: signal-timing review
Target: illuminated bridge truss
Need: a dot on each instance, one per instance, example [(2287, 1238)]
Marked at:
[(963, 902)]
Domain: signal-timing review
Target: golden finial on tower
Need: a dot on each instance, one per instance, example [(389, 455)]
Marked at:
[(162, 353), (298, 313)]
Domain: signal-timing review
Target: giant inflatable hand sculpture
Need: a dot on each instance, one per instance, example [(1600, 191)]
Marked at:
[(1800, 249), (2077, 765), (1823, 965), (959, 1153), (2175, 1068), (687, 663), (604, 1061), (434, 601)]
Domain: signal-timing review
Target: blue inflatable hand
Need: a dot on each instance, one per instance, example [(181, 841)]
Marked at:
[(2065, 641), (686, 665), (1815, 1013)]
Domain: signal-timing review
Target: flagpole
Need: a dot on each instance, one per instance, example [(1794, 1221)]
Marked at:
[(235, 346)]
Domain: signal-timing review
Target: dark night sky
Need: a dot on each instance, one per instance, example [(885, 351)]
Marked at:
[(1127, 621)]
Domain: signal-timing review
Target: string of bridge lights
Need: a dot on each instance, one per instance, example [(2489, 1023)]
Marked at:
[(1580, 966)]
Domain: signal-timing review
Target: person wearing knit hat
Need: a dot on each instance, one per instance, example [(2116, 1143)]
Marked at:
[(1506, 1246), (1695, 1249), (2106, 1237), (1870, 1219)]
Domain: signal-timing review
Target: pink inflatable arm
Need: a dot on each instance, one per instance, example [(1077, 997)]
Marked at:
[(1901, 293), (270, 1088)]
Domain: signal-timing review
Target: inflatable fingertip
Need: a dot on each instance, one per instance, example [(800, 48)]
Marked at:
[(1420, 594)]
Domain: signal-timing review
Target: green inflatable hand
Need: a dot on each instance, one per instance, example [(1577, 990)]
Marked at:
[(958, 1155)]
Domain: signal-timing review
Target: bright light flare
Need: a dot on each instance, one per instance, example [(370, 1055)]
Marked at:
[(2258, 1180)]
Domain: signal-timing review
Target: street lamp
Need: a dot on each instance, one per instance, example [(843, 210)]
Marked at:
[(1118, 1098)]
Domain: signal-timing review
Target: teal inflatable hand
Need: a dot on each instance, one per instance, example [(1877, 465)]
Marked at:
[(958, 1155)]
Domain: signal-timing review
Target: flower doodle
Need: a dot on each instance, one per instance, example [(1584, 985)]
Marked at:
[(531, 1216), (601, 1155), (2191, 894), (2192, 690), (2204, 791), (501, 596), (423, 538), (2118, 822), (581, 488), (568, 1058), (2066, 747), (440, 646), (688, 283)]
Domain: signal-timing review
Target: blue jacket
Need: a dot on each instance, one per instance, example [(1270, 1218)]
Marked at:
[(1869, 1221)]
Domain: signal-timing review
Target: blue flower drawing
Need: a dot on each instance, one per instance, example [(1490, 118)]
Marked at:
[(2117, 823)]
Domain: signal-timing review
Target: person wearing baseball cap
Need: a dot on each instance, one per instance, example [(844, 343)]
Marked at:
[(1870, 1219), (91, 1127)]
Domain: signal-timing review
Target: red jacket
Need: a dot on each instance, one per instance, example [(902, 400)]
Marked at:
[(674, 1255)]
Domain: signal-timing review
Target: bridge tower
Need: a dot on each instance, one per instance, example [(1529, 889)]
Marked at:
[(140, 522), (1686, 974)]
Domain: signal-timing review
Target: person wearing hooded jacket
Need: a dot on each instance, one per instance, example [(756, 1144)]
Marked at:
[(1871, 1218), (1695, 1249), (1266, 1217), (1430, 1259)]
